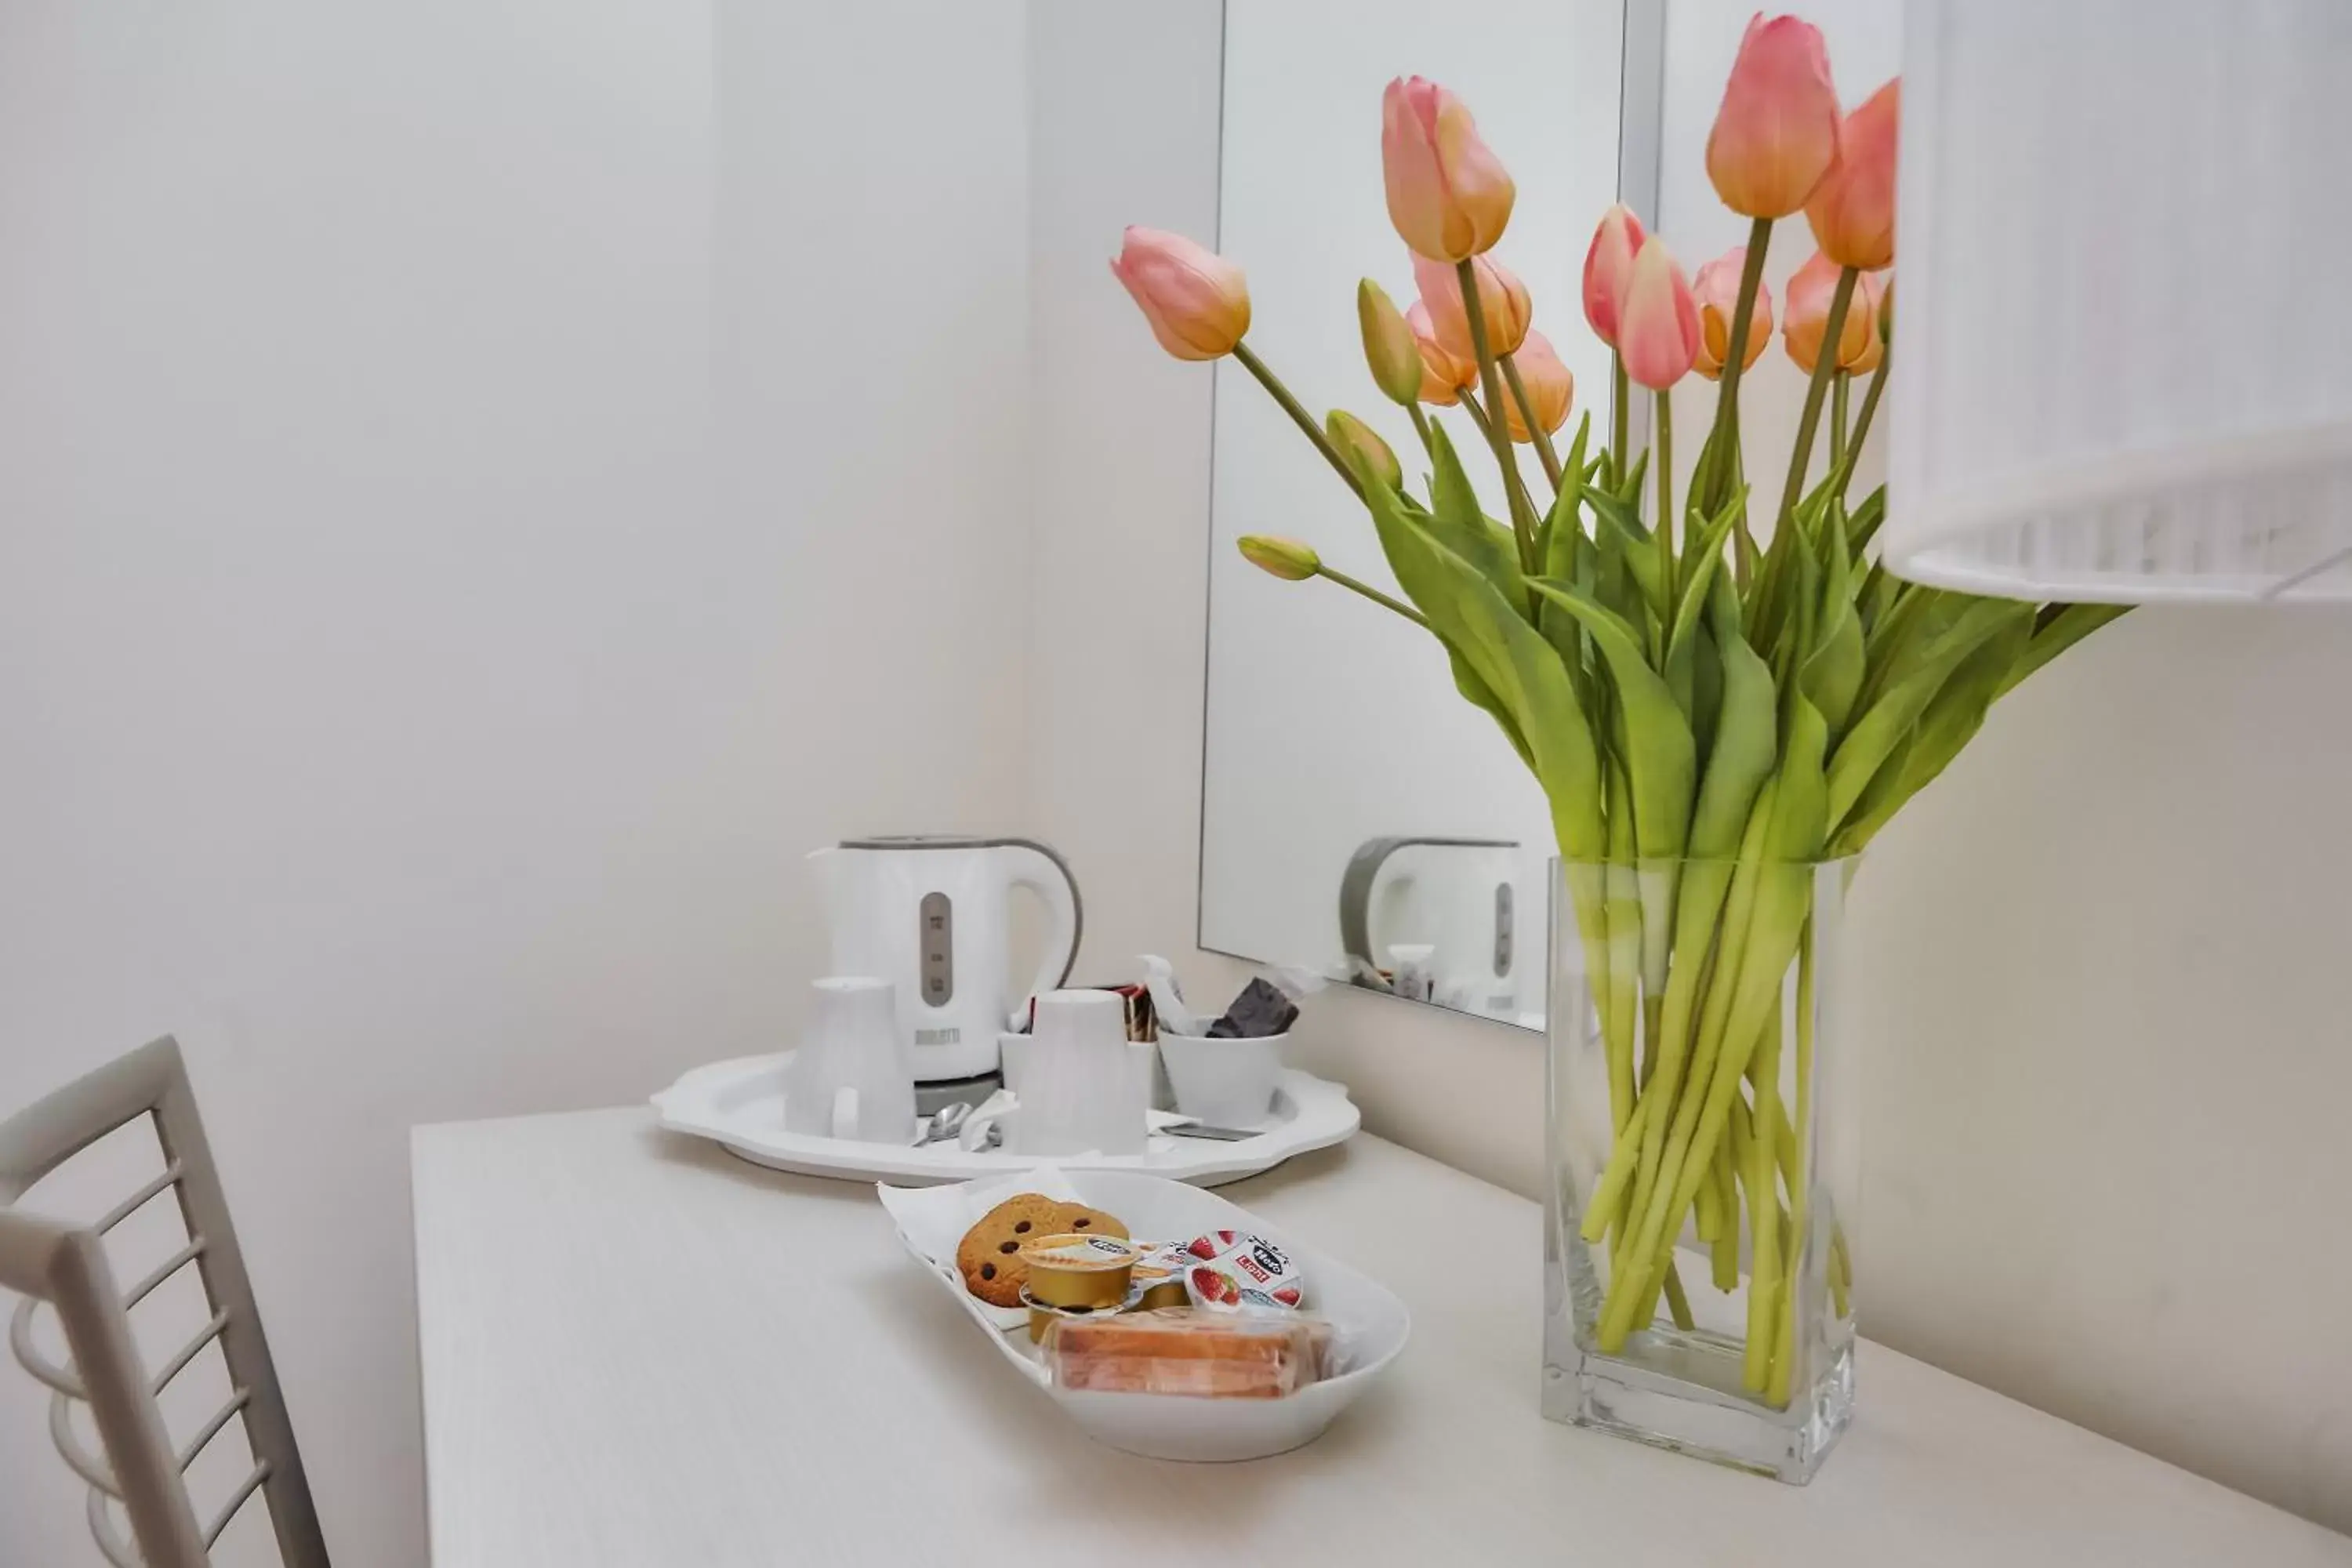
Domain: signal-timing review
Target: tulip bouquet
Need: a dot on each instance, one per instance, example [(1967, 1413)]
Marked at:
[(1716, 704)]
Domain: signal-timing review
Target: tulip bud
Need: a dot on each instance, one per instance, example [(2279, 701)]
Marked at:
[(1349, 433), (1389, 348), (1502, 299), (1550, 387), (1608, 261), (1811, 288), (1657, 319), (1853, 209), (1717, 291), (1443, 377), (1448, 194), (1777, 132), (1197, 301), (1286, 558)]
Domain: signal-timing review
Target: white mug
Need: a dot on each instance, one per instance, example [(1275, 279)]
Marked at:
[(1082, 1085), (853, 1076), (1226, 1083)]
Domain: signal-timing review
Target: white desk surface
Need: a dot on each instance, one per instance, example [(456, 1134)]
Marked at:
[(640, 1352)]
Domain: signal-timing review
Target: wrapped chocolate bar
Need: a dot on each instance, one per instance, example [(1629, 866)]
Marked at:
[(1181, 1351)]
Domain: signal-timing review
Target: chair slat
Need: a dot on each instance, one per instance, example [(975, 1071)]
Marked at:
[(139, 1200), (46, 1372), (188, 1353), (244, 1490), (170, 1266), (119, 1551), (61, 1433), (212, 1428)]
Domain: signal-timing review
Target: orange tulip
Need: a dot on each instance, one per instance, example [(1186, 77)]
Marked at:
[(1869, 302), (1716, 291), (1197, 301), (1502, 299), (1449, 196), (1550, 387), (1777, 132), (1853, 209), (1443, 377), (1657, 319), (1811, 288), (1607, 262)]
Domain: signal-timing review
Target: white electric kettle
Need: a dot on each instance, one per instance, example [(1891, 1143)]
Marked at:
[(931, 915)]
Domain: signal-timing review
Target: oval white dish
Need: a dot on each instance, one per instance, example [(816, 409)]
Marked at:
[(740, 1104), (1371, 1323)]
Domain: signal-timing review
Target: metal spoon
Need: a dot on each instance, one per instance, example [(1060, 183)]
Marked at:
[(944, 1123)]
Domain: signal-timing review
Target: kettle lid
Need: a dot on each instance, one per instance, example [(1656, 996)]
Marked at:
[(923, 841)]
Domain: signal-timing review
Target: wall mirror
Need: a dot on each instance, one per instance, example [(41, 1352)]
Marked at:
[(1359, 819)]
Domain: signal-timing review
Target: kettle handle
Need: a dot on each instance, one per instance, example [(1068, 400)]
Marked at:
[(1029, 864)]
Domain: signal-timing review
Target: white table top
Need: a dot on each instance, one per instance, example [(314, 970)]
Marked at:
[(639, 1350)]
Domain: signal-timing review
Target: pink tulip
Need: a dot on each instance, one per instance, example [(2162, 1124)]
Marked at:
[(1607, 263), (1443, 377), (1716, 291), (1777, 132), (1853, 209), (1449, 196), (1657, 319), (1502, 297), (1811, 288), (1197, 301), (1550, 387)]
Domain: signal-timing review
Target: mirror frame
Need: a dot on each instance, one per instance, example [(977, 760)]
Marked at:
[(1641, 105)]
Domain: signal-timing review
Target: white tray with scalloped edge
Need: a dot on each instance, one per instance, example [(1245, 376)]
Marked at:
[(739, 1105)]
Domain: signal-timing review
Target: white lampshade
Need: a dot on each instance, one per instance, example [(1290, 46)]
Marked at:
[(2124, 299)]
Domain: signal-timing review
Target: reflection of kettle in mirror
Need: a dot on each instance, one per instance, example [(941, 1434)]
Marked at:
[(932, 915), (1457, 898)]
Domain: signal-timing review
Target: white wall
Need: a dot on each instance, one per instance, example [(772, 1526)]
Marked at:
[(2105, 1056), (479, 502)]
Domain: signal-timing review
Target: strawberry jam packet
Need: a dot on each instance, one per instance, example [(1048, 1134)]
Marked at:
[(1233, 1271)]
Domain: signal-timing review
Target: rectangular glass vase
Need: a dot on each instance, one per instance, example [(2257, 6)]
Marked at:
[(1703, 1160)]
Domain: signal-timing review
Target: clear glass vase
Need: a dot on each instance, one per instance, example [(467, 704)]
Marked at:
[(1703, 1158)]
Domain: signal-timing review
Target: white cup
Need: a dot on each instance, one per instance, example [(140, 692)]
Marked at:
[(1082, 1085), (854, 1076), (1226, 1083)]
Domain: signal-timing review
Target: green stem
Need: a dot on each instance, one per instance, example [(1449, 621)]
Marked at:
[(1542, 438), (1665, 446), (1862, 420), (1724, 436), (1374, 595), (1474, 311), (1800, 455), (1470, 405), (1420, 428), (1764, 1278), (1300, 417), (1620, 393), (1838, 386)]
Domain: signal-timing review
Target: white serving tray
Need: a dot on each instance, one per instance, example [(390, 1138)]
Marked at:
[(1370, 1322), (741, 1105)]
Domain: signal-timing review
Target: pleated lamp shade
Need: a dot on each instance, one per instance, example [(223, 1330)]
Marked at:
[(2123, 345)]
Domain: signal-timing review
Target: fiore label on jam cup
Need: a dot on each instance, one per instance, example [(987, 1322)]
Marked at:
[(1231, 1270)]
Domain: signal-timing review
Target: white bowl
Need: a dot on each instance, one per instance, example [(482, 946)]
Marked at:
[(1370, 1322), (1226, 1083)]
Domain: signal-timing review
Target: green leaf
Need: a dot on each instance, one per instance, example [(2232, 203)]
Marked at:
[(1619, 530), (1866, 519), (1457, 523), (1746, 738), (1704, 560), (2054, 634), (1511, 659), (1661, 754), (1467, 681), (1874, 735), (1830, 676)]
